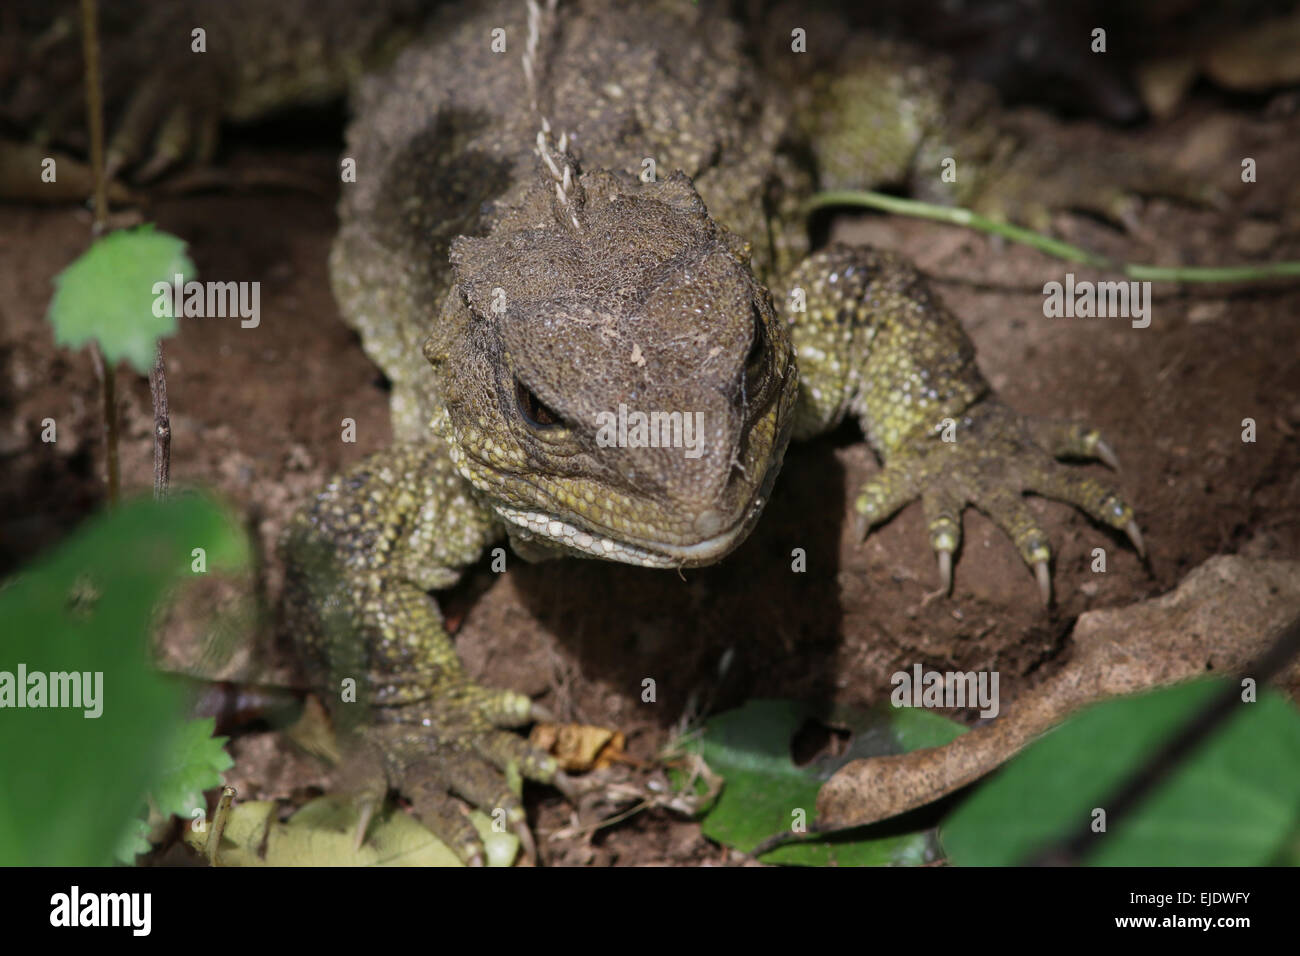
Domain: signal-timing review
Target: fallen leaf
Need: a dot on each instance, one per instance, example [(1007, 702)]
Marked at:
[(323, 833), (579, 747)]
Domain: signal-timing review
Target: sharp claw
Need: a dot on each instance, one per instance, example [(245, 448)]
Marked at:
[(1135, 535), (1105, 454), (476, 859), (945, 571), (1044, 582), (527, 844), (538, 712), (367, 811), (367, 804), (861, 525), (567, 786)]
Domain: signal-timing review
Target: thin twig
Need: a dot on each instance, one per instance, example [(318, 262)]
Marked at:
[(162, 426), (1053, 247), (108, 382), (94, 109), (217, 828), (95, 116)]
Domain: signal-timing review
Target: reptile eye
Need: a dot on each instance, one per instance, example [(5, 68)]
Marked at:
[(535, 412), (757, 347)]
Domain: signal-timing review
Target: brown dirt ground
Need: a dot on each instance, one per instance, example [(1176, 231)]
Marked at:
[(256, 413)]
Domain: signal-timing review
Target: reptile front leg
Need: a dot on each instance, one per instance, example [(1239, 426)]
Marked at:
[(874, 341), (361, 559)]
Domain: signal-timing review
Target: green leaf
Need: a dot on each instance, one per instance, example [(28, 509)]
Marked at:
[(1232, 803), (194, 763), (72, 783), (323, 833), (134, 841), (750, 747), (107, 295)]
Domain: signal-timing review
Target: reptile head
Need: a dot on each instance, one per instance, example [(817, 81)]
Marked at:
[(617, 382)]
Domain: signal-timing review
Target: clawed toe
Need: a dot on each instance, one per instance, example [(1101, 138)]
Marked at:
[(1135, 535), (453, 755), (945, 572), (1044, 577), (1105, 454), (991, 466)]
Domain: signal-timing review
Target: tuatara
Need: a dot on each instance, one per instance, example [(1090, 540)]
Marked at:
[(563, 219)]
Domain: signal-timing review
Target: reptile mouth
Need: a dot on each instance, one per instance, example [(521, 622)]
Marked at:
[(715, 547), (652, 554)]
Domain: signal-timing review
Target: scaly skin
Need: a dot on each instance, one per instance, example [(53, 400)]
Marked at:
[(513, 292)]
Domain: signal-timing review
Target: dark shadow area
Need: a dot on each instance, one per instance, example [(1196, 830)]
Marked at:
[(780, 629)]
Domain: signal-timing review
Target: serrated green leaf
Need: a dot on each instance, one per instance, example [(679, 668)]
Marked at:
[(751, 748), (194, 763), (1233, 803), (107, 295), (72, 783), (134, 841)]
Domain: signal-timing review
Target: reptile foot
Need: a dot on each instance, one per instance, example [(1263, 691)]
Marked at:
[(454, 747), (993, 457), (159, 131)]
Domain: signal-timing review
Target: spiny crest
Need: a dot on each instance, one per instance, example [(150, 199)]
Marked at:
[(563, 168), (558, 161), (536, 29)]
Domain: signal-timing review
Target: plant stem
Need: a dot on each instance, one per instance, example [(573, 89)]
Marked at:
[(94, 109), (108, 380), (110, 422), (95, 117), (219, 820), (162, 427), (1053, 247)]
